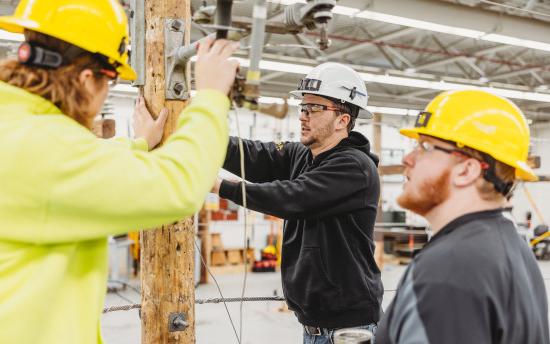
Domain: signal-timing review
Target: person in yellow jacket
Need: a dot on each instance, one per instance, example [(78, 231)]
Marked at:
[(62, 190)]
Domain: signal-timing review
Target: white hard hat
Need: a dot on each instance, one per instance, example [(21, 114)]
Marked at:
[(338, 81)]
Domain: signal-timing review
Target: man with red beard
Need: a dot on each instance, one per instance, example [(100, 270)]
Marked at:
[(326, 187), (476, 281)]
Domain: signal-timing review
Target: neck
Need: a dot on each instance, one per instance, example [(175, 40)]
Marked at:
[(456, 206), (327, 144)]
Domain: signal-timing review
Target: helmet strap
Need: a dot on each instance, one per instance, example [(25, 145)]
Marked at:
[(489, 175), (33, 54)]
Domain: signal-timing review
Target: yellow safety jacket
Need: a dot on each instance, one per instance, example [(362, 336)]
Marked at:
[(63, 191)]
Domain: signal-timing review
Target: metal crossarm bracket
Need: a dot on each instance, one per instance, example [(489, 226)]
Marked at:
[(137, 36), (175, 71)]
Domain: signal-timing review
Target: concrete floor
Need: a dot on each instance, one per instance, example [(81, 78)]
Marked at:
[(262, 321)]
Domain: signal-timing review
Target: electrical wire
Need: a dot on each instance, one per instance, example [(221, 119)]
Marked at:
[(243, 189), (219, 291), (200, 302)]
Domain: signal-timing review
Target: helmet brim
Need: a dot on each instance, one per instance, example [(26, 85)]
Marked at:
[(126, 72), (17, 25)]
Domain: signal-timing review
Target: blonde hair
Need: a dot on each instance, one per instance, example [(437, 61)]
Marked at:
[(505, 173), (61, 86)]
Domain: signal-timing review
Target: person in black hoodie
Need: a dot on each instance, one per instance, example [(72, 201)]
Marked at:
[(327, 189), (476, 281)]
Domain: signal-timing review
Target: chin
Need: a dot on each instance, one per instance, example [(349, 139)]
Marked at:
[(306, 141)]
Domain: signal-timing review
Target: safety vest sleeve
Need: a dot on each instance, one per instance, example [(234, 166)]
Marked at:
[(88, 188)]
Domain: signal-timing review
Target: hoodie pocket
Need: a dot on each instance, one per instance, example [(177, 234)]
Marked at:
[(308, 284)]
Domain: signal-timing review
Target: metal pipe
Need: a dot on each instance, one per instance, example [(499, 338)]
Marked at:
[(259, 18), (182, 54), (223, 17)]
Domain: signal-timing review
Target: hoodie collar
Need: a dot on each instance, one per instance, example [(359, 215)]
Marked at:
[(354, 140)]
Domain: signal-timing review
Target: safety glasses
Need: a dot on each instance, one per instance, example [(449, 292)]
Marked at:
[(309, 109), (423, 147), (111, 75)]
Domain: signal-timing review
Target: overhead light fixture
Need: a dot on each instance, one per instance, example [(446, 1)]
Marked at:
[(429, 26), (393, 111), (9, 36), (126, 89), (420, 24), (453, 30), (402, 81), (399, 81)]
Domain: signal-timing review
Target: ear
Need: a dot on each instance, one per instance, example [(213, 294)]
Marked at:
[(466, 173), (86, 76), (343, 121)]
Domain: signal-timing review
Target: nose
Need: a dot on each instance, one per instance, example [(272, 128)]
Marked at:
[(303, 117), (408, 160)]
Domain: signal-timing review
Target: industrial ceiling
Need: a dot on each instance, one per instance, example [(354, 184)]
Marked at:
[(409, 50)]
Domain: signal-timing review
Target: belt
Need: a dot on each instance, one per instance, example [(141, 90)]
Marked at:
[(315, 331)]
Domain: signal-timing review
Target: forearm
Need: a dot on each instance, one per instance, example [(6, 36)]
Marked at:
[(109, 189), (262, 160)]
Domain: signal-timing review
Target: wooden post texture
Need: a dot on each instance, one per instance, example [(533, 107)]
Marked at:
[(167, 273)]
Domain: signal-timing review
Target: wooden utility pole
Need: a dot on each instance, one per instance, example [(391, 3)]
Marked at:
[(205, 216), (167, 253)]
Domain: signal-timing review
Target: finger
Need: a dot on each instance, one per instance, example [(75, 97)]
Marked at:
[(218, 46), (143, 112), (137, 109), (163, 116), (229, 49), (204, 47), (235, 65)]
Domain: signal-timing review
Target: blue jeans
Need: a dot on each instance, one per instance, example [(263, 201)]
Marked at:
[(327, 336)]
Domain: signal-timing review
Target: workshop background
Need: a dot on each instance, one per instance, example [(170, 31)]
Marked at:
[(407, 51)]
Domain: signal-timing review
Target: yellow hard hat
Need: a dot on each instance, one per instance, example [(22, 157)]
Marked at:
[(479, 120), (97, 26)]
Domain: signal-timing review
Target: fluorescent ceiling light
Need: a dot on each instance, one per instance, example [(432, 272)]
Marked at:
[(132, 91), (419, 24), (393, 111), (429, 26), (453, 30), (400, 81), (277, 66), (9, 36), (275, 100)]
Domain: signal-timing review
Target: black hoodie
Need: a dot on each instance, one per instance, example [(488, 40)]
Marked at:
[(329, 275)]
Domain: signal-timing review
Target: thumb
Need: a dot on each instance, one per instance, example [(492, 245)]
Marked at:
[(161, 120)]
